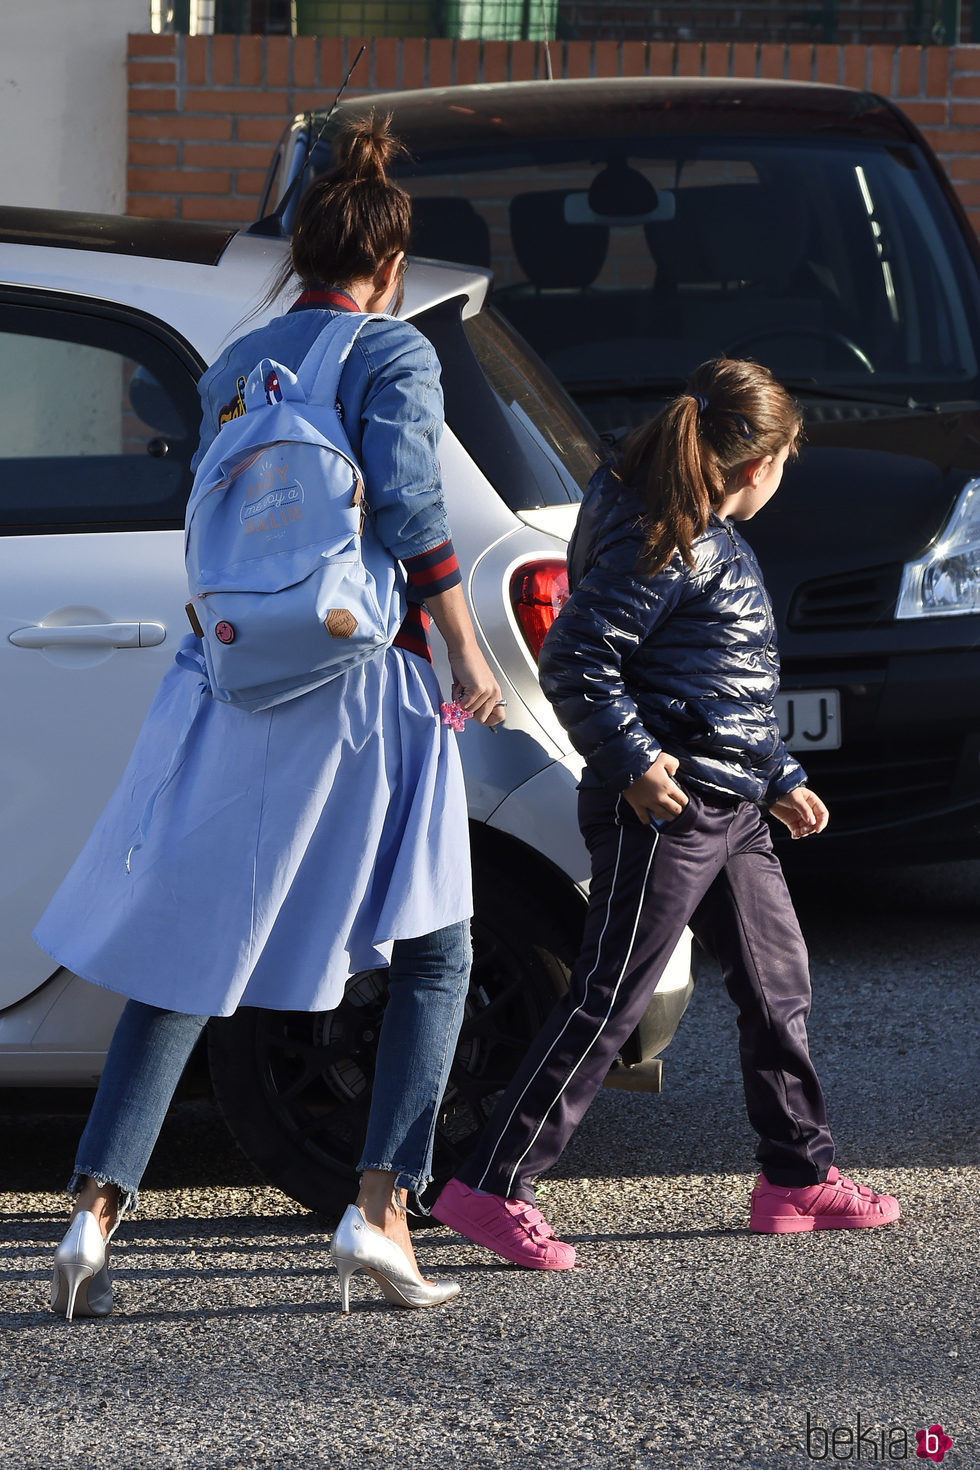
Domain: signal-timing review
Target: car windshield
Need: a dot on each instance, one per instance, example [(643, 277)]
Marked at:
[(627, 262)]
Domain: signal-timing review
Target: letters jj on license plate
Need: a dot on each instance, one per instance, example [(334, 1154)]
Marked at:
[(809, 719)]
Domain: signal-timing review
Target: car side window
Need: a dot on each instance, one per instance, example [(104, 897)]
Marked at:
[(99, 418)]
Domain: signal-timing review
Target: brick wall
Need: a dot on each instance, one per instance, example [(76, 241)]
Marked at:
[(204, 111)]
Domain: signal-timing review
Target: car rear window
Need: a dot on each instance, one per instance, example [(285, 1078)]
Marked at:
[(518, 425)]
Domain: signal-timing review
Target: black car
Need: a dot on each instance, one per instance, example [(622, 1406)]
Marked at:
[(636, 227)]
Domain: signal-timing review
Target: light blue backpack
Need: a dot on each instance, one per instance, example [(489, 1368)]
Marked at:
[(290, 585)]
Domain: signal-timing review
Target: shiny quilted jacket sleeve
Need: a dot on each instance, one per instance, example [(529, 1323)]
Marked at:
[(581, 666), (789, 775)]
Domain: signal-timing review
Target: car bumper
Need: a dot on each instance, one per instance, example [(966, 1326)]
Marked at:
[(949, 835), (904, 786), (546, 805)]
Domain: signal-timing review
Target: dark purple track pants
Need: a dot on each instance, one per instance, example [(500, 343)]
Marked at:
[(713, 867)]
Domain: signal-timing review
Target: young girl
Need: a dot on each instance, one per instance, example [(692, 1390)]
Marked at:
[(663, 668)]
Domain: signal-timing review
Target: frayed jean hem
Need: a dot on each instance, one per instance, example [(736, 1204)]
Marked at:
[(128, 1198), (415, 1184)]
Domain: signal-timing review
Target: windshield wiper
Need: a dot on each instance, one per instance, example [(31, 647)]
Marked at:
[(805, 387), (809, 387)]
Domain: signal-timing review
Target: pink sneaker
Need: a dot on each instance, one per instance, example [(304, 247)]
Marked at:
[(509, 1227), (837, 1204)]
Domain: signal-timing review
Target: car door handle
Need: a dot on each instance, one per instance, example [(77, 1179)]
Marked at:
[(90, 635)]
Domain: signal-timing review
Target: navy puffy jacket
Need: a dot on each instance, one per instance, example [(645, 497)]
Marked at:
[(684, 661)]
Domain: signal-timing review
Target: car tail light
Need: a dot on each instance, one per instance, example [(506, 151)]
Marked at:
[(538, 591)]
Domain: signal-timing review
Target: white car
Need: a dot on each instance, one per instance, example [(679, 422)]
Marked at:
[(107, 323)]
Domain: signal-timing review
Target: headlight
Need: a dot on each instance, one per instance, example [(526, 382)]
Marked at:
[(946, 581)]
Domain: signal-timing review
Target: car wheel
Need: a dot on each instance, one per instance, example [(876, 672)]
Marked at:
[(294, 1086)]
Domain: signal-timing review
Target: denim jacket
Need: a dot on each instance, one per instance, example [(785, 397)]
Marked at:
[(391, 399), (684, 661)]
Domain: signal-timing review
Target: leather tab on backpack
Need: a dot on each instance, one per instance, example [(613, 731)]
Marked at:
[(193, 619), (357, 499), (340, 623)]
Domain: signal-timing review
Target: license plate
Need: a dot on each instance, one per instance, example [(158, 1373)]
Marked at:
[(809, 719)]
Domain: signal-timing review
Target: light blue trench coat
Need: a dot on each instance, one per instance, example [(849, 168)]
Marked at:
[(264, 858)]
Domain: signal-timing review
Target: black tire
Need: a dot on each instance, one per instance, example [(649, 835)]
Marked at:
[(294, 1086)]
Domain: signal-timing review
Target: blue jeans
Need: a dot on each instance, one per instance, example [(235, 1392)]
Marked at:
[(427, 985)]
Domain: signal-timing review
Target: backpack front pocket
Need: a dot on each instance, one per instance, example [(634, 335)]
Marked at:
[(309, 632)]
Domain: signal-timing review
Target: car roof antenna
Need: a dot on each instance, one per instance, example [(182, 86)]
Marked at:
[(547, 49), (271, 224)]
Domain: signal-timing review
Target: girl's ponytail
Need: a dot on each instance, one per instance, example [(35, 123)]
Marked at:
[(684, 459), (666, 454)]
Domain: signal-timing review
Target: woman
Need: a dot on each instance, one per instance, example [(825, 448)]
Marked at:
[(264, 858)]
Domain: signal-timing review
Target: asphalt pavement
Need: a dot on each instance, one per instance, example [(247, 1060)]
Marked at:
[(681, 1339)]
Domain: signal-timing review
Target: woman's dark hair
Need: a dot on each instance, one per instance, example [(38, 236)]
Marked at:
[(685, 459), (352, 219)]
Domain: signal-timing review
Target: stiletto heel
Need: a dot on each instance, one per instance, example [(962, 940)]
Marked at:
[(81, 1274), (73, 1274), (358, 1246), (345, 1270)]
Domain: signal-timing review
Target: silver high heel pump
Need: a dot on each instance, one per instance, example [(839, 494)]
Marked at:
[(80, 1280), (358, 1246)]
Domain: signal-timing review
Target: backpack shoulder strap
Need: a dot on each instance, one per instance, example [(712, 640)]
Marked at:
[(319, 372)]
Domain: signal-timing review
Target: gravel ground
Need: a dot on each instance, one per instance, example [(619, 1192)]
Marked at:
[(682, 1339)]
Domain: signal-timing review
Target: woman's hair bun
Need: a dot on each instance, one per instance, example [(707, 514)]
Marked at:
[(365, 149), (353, 218)]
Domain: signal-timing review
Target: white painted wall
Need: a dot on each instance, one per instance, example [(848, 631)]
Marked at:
[(63, 101)]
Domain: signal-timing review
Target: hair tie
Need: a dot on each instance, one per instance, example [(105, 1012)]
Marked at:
[(742, 425), (702, 403)]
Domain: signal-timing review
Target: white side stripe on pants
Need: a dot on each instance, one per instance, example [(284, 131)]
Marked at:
[(579, 1007)]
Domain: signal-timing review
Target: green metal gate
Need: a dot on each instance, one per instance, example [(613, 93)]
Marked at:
[(914, 22)]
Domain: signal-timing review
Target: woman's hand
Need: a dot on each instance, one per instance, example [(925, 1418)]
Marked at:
[(656, 793), (801, 812), (475, 688)]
